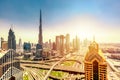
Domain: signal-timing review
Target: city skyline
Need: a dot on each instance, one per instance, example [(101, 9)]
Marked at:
[(82, 18)]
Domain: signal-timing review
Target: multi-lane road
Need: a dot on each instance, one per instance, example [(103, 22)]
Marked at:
[(35, 74), (113, 72)]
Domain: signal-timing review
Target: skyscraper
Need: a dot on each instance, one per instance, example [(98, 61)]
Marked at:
[(40, 30), (20, 43), (67, 42), (11, 40), (57, 43), (39, 46), (95, 64), (76, 44), (62, 45)]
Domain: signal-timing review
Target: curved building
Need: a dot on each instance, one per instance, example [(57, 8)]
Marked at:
[(95, 64)]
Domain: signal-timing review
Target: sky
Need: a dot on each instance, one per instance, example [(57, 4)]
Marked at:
[(84, 18)]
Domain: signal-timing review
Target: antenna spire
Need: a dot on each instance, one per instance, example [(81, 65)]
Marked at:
[(11, 27)]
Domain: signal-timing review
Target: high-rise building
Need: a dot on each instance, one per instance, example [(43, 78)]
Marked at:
[(76, 44), (95, 64), (27, 47), (1, 40), (67, 42), (0, 43), (40, 41), (20, 43), (50, 44), (11, 40), (57, 43), (62, 45), (39, 46), (54, 46)]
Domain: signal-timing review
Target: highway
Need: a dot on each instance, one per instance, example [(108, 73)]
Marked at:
[(47, 75), (34, 74), (31, 66), (81, 53), (112, 70)]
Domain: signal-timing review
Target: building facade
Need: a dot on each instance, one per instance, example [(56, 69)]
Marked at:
[(95, 64), (7, 60)]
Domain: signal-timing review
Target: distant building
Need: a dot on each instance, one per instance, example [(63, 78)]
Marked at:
[(57, 43), (4, 45), (0, 43), (76, 44), (27, 47), (95, 64), (11, 40), (62, 45), (50, 44), (20, 43), (67, 42), (54, 46)]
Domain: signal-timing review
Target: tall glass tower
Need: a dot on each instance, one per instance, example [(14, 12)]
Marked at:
[(11, 40)]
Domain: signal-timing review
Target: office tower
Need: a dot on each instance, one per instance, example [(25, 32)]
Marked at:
[(54, 46), (57, 43), (67, 42), (95, 64), (11, 40), (27, 47), (76, 44), (20, 43), (77, 41), (62, 45), (50, 44), (40, 30)]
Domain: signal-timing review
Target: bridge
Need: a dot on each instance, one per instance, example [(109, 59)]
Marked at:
[(67, 78), (41, 65), (57, 68), (63, 68), (45, 65)]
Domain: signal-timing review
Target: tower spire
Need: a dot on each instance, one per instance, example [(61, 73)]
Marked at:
[(40, 29), (40, 17), (11, 27)]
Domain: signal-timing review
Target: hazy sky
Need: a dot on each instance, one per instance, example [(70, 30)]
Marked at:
[(84, 18)]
